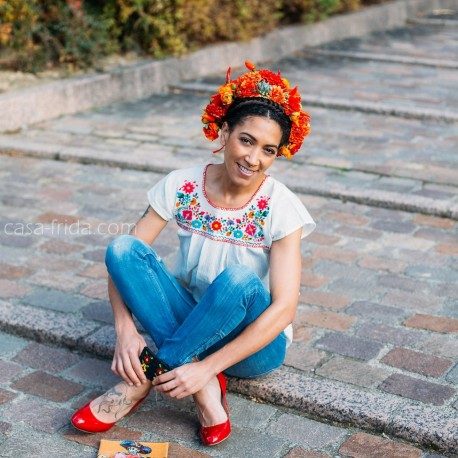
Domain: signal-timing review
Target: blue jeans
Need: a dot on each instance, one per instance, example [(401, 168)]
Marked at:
[(181, 327)]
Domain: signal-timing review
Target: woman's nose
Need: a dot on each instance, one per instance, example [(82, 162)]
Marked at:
[(252, 159)]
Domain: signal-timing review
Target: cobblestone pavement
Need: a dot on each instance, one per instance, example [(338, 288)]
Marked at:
[(41, 385), (375, 332)]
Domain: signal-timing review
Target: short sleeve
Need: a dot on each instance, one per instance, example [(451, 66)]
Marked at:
[(288, 215), (162, 197)]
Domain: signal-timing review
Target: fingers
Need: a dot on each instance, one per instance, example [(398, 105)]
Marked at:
[(128, 367)]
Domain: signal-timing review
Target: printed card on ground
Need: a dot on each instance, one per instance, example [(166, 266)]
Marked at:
[(132, 449)]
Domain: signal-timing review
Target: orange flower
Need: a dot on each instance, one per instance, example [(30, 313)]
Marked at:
[(225, 93), (294, 100), (250, 66), (211, 131), (277, 95), (216, 225), (284, 151), (206, 118), (286, 83)]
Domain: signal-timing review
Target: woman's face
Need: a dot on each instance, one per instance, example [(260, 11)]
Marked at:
[(250, 149)]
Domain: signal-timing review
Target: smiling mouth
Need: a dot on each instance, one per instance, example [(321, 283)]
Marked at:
[(244, 170)]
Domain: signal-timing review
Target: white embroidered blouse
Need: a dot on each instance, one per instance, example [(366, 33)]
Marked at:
[(212, 238)]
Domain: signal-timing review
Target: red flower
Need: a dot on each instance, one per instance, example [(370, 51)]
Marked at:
[(216, 225), (262, 203), (211, 131), (250, 229), (188, 187), (250, 66), (187, 215)]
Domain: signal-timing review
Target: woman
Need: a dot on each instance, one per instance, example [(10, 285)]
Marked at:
[(229, 305)]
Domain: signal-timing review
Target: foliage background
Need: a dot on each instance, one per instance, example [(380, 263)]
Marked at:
[(40, 34)]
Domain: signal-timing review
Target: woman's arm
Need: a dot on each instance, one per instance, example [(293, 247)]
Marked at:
[(285, 274), (129, 342)]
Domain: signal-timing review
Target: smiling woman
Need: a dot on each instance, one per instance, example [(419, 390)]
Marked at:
[(228, 303)]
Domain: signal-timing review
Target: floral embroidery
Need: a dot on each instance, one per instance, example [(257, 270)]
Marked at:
[(248, 229)]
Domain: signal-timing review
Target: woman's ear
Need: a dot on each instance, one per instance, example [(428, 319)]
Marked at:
[(224, 134)]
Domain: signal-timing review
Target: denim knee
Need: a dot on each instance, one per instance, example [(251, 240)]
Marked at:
[(238, 275), (119, 248)]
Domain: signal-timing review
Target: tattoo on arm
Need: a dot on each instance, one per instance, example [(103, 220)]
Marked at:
[(134, 229)]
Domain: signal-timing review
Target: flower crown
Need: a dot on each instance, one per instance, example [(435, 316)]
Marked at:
[(265, 84)]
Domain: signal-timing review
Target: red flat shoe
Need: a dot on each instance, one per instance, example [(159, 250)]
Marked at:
[(212, 435), (84, 419)]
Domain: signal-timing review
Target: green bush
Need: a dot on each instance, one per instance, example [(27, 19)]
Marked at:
[(35, 34), (39, 33)]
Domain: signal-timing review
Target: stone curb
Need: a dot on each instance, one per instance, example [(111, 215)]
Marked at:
[(55, 99), (434, 22), (438, 63), (343, 104), (322, 399), (377, 198)]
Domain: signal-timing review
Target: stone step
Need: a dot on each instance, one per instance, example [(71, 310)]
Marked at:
[(359, 187), (338, 103), (407, 60)]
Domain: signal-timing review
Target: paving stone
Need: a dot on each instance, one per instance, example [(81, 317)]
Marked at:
[(328, 320), (46, 358), (363, 445), (100, 311), (93, 440), (97, 270), (313, 280), (55, 300), (447, 249), (322, 239), (433, 323), (420, 390), (60, 247), (6, 396), (40, 415), (375, 311), (437, 235), (178, 451), (302, 334), (347, 218), (173, 425), (55, 280), (97, 290), (102, 342), (94, 372), (335, 254), (354, 372), (393, 226), (8, 370), (324, 299), (60, 264), (95, 255), (452, 375), (302, 453), (359, 233), (303, 358), (10, 345), (441, 345), (12, 289), (434, 221), (304, 431), (47, 386), (12, 272), (250, 414), (57, 219), (349, 346), (389, 265), (415, 361), (409, 300), (433, 273), (401, 282), (390, 334)]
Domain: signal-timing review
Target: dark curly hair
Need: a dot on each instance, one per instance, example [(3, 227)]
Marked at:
[(258, 106)]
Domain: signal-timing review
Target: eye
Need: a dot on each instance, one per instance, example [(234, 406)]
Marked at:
[(270, 151), (245, 140)]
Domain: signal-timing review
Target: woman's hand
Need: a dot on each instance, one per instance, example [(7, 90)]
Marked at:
[(184, 380), (126, 362)]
